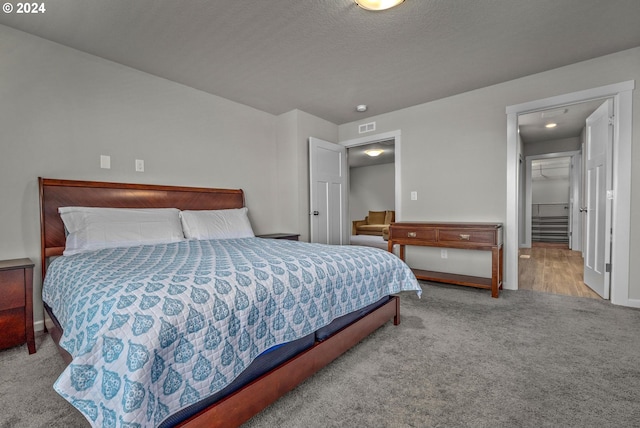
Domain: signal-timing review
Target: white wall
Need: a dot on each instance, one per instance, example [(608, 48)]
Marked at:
[(552, 191), (294, 130), (454, 152), (60, 109), (371, 188)]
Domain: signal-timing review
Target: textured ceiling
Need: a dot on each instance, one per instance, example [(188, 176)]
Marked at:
[(325, 57)]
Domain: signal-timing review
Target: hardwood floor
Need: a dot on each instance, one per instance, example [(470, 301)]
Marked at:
[(552, 268)]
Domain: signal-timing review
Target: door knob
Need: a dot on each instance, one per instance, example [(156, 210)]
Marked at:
[(316, 213), (583, 209)]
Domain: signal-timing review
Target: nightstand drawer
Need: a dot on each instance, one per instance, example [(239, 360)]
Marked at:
[(12, 328), (16, 304), (12, 289)]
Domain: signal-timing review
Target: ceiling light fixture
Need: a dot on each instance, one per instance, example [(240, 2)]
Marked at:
[(361, 108), (551, 125), (378, 4), (374, 152)]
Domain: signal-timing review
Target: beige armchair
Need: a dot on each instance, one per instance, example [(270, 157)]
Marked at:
[(374, 224)]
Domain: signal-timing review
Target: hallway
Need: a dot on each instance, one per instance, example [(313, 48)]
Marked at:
[(553, 268)]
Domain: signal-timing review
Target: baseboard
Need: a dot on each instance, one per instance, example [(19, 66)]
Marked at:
[(38, 326), (632, 303)]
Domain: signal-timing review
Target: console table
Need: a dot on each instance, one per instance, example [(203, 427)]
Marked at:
[(468, 236)]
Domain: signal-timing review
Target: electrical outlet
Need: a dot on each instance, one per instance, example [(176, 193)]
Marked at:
[(414, 195), (105, 162), (443, 253), (139, 165)]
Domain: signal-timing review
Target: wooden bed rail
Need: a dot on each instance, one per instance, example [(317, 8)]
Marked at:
[(239, 407)]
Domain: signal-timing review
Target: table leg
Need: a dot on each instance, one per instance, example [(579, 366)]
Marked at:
[(495, 272)]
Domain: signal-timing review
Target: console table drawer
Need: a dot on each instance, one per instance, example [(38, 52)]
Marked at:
[(466, 235), (410, 233)]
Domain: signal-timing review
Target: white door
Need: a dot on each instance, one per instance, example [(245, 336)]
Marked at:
[(328, 192), (597, 242), (570, 210)]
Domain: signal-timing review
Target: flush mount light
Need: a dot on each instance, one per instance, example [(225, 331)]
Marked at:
[(551, 125), (361, 108), (378, 4), (374, 152)]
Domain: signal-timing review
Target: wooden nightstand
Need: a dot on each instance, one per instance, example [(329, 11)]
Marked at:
[(16, 304), (289, 236)]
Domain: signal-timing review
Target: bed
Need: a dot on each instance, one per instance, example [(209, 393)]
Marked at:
[(233, 324)]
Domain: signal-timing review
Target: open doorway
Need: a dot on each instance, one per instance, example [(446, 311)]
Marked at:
[(622, 95), (375, 181), (552, 195), (371, 192), (551, 256)]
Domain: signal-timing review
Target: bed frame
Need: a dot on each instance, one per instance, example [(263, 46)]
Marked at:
[(240, 406)]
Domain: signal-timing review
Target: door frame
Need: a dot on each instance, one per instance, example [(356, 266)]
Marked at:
[(576, 198), (529, 191), (391, 135), (621, 218)]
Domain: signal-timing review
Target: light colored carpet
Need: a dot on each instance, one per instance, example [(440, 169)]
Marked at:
[(458, 359)]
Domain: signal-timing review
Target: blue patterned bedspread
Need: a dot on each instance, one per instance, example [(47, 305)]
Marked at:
[(153, 329)]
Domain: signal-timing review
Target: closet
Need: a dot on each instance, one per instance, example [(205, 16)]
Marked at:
[(550, 223), (550, 200)]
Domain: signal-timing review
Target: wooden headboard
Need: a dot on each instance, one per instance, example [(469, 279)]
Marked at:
[(64, 193)]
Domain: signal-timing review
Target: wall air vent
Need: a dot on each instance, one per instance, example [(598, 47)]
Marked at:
[(366, 127)]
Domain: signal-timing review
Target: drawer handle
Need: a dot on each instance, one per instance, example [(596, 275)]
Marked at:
[(464, 237), (411, 234)]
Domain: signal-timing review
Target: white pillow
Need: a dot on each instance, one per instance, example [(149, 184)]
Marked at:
[(216, 224), (91, 228)]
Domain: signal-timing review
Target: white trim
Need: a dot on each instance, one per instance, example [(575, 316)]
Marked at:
[(621, 216), (573, 98), (38, 325), (621, 220), (396, 136), (511, 227), (576, 197), (633, 303)]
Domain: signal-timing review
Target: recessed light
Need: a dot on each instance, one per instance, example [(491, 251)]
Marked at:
[(361, 108), (551, 125), (378, 4), (374, 152)]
